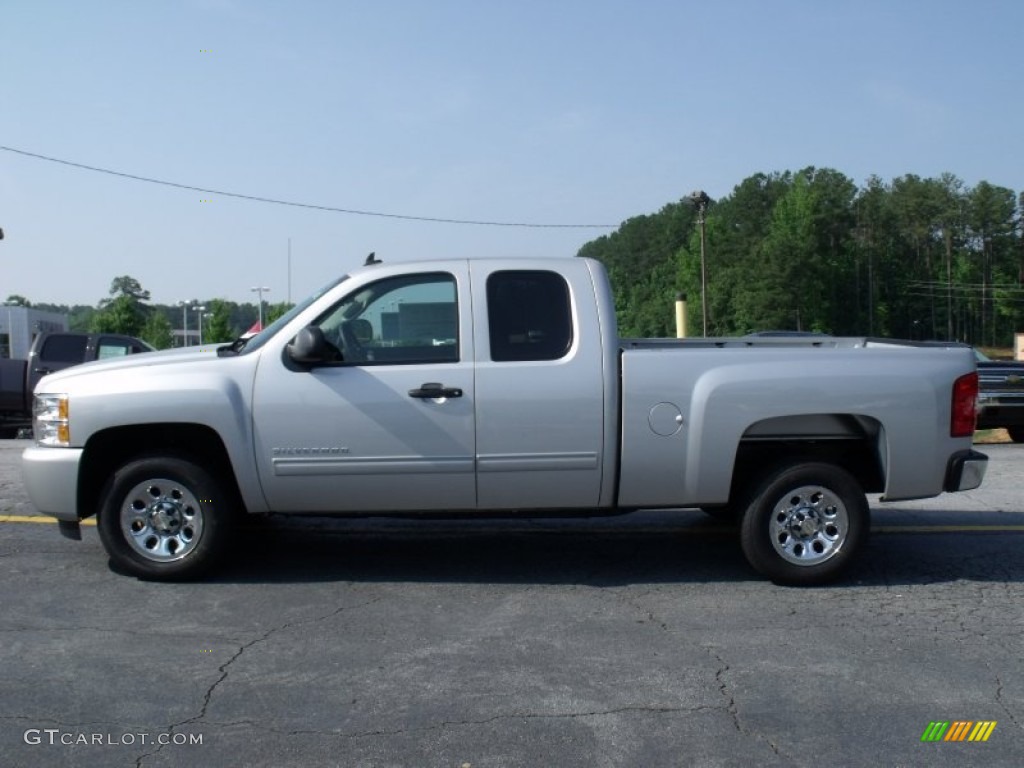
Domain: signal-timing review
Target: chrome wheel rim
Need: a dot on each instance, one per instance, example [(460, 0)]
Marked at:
[(809, 525), (162, 520)]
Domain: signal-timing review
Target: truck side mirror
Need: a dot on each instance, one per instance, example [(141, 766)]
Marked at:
[(311, 348)]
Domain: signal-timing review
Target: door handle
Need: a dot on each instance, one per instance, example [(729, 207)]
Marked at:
[(432, 390)]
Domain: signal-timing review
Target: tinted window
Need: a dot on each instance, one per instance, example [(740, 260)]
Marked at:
[(407, 319), (529, 315), (63, 349)]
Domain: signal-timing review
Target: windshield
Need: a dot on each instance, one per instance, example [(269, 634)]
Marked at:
[(263, 336)]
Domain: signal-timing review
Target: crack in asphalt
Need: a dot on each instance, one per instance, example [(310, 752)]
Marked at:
[(1002, 703), (223, 668), (731, 707)]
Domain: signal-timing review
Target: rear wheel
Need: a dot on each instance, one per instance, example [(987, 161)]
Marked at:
[(804, 524), (164, 518)]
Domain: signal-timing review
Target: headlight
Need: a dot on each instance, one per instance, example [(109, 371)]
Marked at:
[(50, 423)]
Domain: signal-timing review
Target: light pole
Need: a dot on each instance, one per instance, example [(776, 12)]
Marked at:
[(184, 322), (700, 199), (260, 290), (199, 309)]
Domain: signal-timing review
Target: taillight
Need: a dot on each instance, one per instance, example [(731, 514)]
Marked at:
[(965, 406)]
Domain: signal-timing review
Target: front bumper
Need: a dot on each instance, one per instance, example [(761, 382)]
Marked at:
[(51, 480), (965, 471)]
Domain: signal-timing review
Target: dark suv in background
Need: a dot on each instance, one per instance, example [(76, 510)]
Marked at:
[(1001, 396)]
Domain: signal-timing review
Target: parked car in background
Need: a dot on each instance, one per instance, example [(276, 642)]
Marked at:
[(53, 352), (1001, 395)]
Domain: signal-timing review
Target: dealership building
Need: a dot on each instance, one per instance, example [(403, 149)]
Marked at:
[(20, 325)]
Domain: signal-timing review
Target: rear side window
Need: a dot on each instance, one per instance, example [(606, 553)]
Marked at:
[(529, 315), (63, 349)]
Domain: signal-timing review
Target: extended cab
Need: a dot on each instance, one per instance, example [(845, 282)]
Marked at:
[(498, 385)]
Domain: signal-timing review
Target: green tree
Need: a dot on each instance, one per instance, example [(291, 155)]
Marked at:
[(157, 331), (120, 315), (991, 220), (911, 258), (125, 285), (124, 312), (641, 258), (274, 311), (871, 240), (81, 317), (16, 300), (736, 228), (218, 330), (780, 292)]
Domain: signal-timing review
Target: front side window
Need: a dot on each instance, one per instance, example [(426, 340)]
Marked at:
[(397, 320), (529, 314)]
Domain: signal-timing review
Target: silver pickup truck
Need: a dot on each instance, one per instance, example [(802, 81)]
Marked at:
[(442, 387)]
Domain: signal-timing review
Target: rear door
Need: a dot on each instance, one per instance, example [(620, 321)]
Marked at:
[(57, 352), (540, 390)]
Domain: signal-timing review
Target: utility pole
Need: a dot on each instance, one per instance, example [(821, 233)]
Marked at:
[(701, 200)]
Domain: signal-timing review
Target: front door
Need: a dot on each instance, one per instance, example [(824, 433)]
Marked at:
[(391, 425)]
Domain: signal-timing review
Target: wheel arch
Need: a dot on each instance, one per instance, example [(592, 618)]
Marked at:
[(854, 443), (111, 448)]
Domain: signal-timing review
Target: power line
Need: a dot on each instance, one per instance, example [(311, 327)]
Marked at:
[(312, 206), (945, 284)]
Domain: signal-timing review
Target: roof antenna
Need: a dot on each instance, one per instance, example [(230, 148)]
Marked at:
[(371, 259)]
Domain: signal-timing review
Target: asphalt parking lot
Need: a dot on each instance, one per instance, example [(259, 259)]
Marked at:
[(643, 640)]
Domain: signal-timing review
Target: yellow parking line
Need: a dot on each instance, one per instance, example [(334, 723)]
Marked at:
[(37, 519)]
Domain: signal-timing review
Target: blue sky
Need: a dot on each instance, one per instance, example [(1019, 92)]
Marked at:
[(555, 112)]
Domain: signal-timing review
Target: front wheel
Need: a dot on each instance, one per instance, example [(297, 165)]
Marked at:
[(804, 524), (164, 518)]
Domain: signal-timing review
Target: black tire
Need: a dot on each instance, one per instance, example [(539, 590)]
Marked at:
[(164, 518), (1016, 434), (804, 523)]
